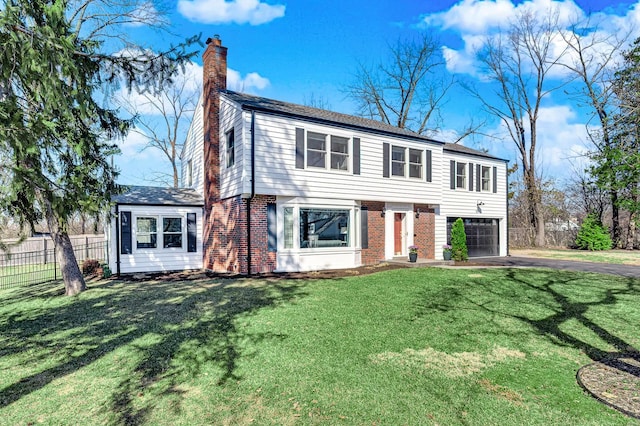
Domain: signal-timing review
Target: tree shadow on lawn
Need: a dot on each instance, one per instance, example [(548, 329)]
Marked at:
[(183, 327), (546, 300)]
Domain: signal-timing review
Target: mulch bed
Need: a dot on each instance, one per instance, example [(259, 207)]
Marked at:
[(615, 382)]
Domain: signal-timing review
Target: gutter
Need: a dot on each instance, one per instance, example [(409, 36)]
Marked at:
[(253, 189)]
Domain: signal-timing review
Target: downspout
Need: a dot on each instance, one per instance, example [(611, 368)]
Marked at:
[(507, 203), (253, 189), (117, 239)]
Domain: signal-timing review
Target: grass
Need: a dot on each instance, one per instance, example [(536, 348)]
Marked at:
[(615, 257), (414, 346)]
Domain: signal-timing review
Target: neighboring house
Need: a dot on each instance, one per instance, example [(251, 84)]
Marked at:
[(291, 188)]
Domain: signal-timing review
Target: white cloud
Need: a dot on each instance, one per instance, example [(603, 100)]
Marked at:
[(475, 21), (473, 16), (253, 12), (251, 82)]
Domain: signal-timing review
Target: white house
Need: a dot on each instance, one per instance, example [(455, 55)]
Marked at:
[(288, 187)]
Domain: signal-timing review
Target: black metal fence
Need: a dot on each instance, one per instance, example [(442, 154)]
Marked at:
[(40, 266)]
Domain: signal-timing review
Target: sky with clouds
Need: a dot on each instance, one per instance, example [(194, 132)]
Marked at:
[(296, 51)]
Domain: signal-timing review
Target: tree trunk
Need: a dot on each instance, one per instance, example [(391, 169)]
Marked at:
[(71, 274), (615, 220), (631, 232)]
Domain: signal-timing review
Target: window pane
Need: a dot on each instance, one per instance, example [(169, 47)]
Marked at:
[(339, 144), (316, 141), (397, 169), (324, 228), (415, 170), (315, 159), (339, 161), (146, 224), (172, 240), (231, 148), (415, 156), (172, 224), (288, 227), (397, 154)]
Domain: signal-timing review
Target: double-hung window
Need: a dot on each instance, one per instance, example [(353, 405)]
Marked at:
[(231, 148), (461, 175), (486, 178), (339, 153), (146, 232), (415, 163), (172, 232), (398, 160), (316, 150)]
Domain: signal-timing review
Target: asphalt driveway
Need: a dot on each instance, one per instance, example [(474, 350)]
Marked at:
[(567, 265)]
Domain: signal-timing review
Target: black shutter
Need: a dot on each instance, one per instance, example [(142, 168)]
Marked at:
[(478, 177), (364, 227), (470, 176), (272, 227), (299, 148), (356, 156), (385, 160), (452, 174), (428, 166), (192, 232), (125, 233), (495, 180)]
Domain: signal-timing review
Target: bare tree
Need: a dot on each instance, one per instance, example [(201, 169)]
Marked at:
[(317, 101), (408, 90), (518, 63), (591, 58), (162, 119)]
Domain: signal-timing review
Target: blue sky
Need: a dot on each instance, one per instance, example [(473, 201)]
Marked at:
[(295, 50)]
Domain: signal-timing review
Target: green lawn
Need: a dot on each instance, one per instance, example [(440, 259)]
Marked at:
[(616, 257), (411, 346)]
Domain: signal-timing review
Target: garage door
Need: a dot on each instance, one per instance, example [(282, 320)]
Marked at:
[(483, 238)]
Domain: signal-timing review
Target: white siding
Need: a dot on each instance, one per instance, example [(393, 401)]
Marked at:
[(276, 172), (193, 150), (158, 259), (232, 178), (461, 202)]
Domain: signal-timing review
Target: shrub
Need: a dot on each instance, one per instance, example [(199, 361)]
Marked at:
[(90, 267), (593, 235), (459, 241)]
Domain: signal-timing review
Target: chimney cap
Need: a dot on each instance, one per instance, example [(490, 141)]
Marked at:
[(215, 40)]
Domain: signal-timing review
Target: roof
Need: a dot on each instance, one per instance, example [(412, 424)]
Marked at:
[(461, 149), (159, 196), (273, 106)]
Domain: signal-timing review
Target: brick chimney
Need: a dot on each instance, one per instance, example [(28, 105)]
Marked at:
[(214, 61)]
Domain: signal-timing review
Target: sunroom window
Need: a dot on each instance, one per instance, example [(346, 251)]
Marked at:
[(172, 232), (146, 232)]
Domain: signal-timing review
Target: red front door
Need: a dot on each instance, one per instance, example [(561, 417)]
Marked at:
[(397, 233)]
